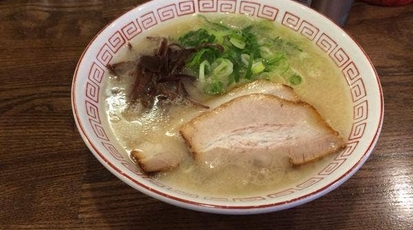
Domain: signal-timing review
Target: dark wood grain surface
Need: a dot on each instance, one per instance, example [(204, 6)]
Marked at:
[(50, 180)]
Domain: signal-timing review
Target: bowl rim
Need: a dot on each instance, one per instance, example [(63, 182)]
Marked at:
[(233, 208)]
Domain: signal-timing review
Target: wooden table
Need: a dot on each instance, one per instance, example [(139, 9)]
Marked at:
[(50, 180)]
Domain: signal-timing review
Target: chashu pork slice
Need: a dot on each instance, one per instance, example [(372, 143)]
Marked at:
[(257, 126), (161, 156)]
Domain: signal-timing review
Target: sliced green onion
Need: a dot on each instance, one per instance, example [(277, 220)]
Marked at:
[(257, 67), (266, 52), (245, 58), (196, 58), (295, 79), (282, 65), (240, 44), (224, 68), (245, 53), (220, 35), (202, 69)]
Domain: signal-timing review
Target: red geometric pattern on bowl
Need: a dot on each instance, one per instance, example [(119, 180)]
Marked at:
[(99, 130), (105, 55), (358, 90), (288, 19), (131, 29), (360, 111), (172, 11), (330, 168), (96, 73), (116, 41), (224, 6), (92, 90), (148, 20), (249, 8), (350, 72), (220, 199), (285, 192), (326, 43), (248, 199), (357, 131), (339, 56), (186, 193), (186, 7), (92, 111), (291, 21), (113, 151), (311, 181), (350, 147), (132, 167), (268, 12), (258, 10), (303, 27), (308, 30)]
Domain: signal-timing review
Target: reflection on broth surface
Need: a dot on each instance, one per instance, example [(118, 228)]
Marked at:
[(156, 131)]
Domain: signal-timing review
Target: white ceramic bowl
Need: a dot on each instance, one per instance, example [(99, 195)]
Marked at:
[(355, 66)]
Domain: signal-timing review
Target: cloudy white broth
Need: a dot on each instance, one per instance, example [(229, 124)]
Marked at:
[(319, 83)]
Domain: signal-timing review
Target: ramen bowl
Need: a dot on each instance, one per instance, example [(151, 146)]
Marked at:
[(362, 82)]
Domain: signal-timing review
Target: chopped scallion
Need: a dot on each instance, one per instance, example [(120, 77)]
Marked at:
[(295, 79)]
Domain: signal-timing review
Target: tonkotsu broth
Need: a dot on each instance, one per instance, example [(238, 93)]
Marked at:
[(323, 87)]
